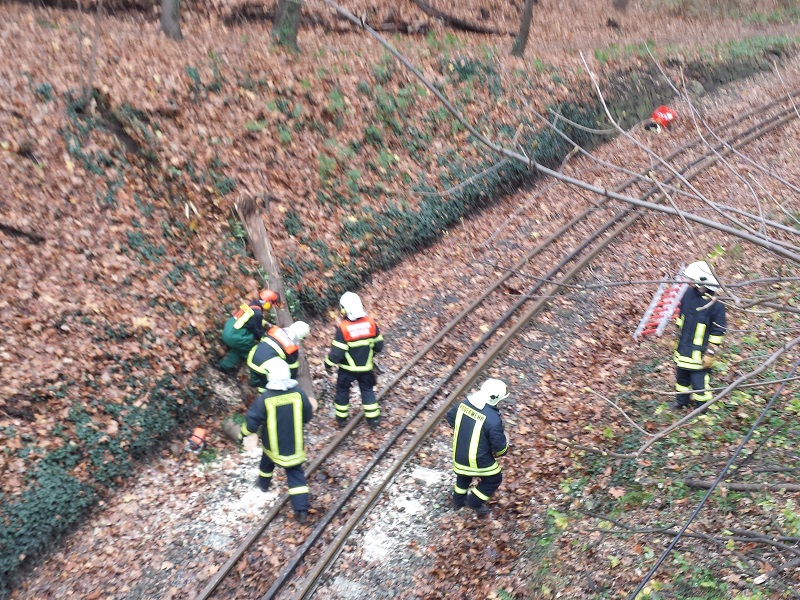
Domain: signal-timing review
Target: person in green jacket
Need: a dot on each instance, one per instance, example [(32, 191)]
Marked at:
[(245, 329)]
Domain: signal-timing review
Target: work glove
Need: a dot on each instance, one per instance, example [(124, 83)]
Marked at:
[(708, 358)]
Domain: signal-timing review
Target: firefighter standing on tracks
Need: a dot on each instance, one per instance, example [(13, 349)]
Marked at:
[(478, 437), (702, 324), (244, 329), (282, 410), (356, 341), (281, 342)]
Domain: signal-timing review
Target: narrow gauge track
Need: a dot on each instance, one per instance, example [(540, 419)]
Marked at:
[(452, 352)]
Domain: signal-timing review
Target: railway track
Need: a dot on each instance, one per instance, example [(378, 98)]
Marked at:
[(348, 475)]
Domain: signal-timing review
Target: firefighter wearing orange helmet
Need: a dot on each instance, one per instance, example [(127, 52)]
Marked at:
[(245, 328)]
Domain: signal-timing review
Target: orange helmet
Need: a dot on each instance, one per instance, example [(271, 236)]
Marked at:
[(268, 297)]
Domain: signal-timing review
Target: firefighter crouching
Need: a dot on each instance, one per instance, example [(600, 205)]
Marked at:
[(283, 343), (478, 437), (282, 410), (243, 330), (702, 324), (355, 343)]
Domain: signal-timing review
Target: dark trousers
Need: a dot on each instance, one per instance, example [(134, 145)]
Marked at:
[(298, 489), (480, 493), (687, 380), (366, 381)]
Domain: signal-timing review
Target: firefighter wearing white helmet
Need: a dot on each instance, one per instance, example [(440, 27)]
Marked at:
[(280, 413), (478, 438), (278, 342), (701, 322), (355, 343)]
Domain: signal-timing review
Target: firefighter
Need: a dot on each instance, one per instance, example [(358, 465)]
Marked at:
[(244, 329), (478, 438), (701, 322), (355, 343), (281, 342), (282, 410)]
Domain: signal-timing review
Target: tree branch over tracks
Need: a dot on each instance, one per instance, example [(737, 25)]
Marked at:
[(534, 166)]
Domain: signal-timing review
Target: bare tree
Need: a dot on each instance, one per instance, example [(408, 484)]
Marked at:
[(524, 30), (287, 22), (171, 19)]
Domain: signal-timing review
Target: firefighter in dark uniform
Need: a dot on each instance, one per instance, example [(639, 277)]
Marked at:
[(702, 324), (282, 410), (478, 438), (281, 342), (244, 329), (356, 342)]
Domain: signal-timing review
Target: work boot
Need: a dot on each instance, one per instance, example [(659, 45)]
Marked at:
[(301, 516), (341, 421), (374, 423), (478, 505), (459, 500), (264, 483), (675, 405)]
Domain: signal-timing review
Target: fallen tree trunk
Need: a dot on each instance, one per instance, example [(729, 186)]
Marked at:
[(455, 22), (249, 212), (744, 487)]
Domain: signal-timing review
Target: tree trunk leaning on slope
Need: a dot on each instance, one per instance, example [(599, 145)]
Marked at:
[(171, 19), (287, 22), (521, 40), (250, 215)]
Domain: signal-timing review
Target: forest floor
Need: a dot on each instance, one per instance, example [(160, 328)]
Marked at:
[(169, 526)]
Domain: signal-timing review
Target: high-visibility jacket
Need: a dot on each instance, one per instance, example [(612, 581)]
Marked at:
[(275, 343), (478, 437), (250, 316), (354, 345), (282, 413), (698, 328)]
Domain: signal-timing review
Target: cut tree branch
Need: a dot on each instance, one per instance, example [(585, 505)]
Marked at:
[(744, 487), (455, 22), (250, 214)]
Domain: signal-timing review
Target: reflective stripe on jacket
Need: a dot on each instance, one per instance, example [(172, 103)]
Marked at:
[(478, 437), (355, 344), (283, 414), (268, 348), (701, 322), (250, 316)]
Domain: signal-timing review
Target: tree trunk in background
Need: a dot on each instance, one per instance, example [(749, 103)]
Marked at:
[(171, 19), (524, 29), (287, 22), (250, 215)]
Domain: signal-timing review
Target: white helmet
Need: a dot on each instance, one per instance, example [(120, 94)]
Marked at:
[(298, 330), (700, 274), (494, 390), (491, 392), (279, 377), (351, 306)]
